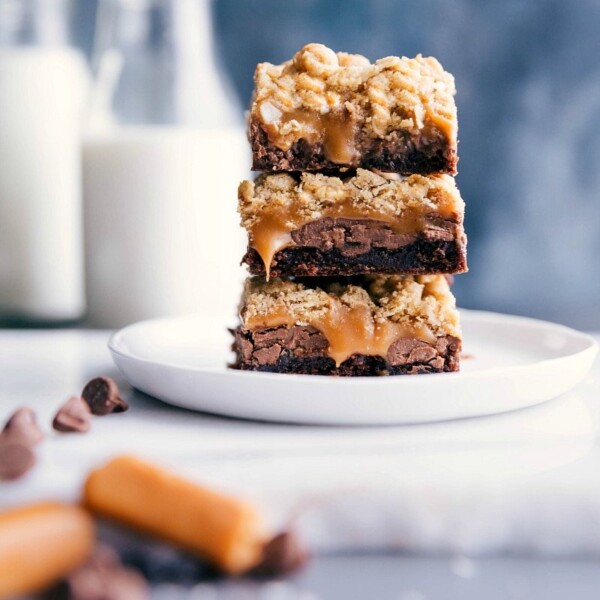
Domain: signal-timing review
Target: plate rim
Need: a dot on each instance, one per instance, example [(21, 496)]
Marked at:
[(591, 347)]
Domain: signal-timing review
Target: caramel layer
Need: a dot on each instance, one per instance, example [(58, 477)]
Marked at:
[(271, 231), (350, 330), (335, 131)]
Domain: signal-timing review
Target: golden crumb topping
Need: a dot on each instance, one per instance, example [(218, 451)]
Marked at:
[(421, 303), (294, 100), (314, 196)]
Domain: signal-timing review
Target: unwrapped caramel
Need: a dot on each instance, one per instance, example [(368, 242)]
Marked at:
[(40, 544), (219, 528)]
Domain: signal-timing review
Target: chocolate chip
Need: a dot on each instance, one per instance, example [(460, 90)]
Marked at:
[(22, 428), (102, 396), (103, 577), (73, 416), (283, 555), (15, 460)]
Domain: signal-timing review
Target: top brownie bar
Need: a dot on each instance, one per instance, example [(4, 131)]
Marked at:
[(324, 110)]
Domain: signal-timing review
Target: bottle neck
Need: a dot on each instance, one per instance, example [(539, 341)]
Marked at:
[(155, 64), (206, 95), (35, 23)]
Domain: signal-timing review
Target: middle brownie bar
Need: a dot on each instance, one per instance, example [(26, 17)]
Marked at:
[(355, 223)]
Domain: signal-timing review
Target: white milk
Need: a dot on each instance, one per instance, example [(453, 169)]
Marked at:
[(161, 225), (41, 99)]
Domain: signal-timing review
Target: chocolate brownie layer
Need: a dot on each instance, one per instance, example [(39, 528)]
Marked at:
[(303, 350), (403, 154), (338, 246)]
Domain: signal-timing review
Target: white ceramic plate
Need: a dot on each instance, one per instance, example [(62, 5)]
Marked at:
[(510, 362)]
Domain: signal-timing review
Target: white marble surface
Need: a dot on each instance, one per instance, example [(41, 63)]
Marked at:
[(527, 481)]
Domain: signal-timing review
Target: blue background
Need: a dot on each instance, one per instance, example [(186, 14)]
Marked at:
[(528, 78)]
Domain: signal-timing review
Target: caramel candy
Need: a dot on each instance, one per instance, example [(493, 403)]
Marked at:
[(219, 528), (41, 543)]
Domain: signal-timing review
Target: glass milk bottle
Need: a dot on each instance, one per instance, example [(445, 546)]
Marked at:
[(42, 91), (163, 157)]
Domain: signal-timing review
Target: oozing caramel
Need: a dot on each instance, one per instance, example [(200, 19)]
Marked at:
[(335, 131), (442, 123), (271, 231), (269, 235), (354, 331), (350, 330)]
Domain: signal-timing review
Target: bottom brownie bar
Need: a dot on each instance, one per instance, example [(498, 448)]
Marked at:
[(371, 325), (303, 350)]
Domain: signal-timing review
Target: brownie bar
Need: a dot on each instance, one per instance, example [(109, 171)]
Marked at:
[(367, 325), (303, 350), (324, 110), (363, 222)]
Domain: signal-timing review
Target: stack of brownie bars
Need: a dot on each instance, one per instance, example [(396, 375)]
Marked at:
[(355, 222)]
